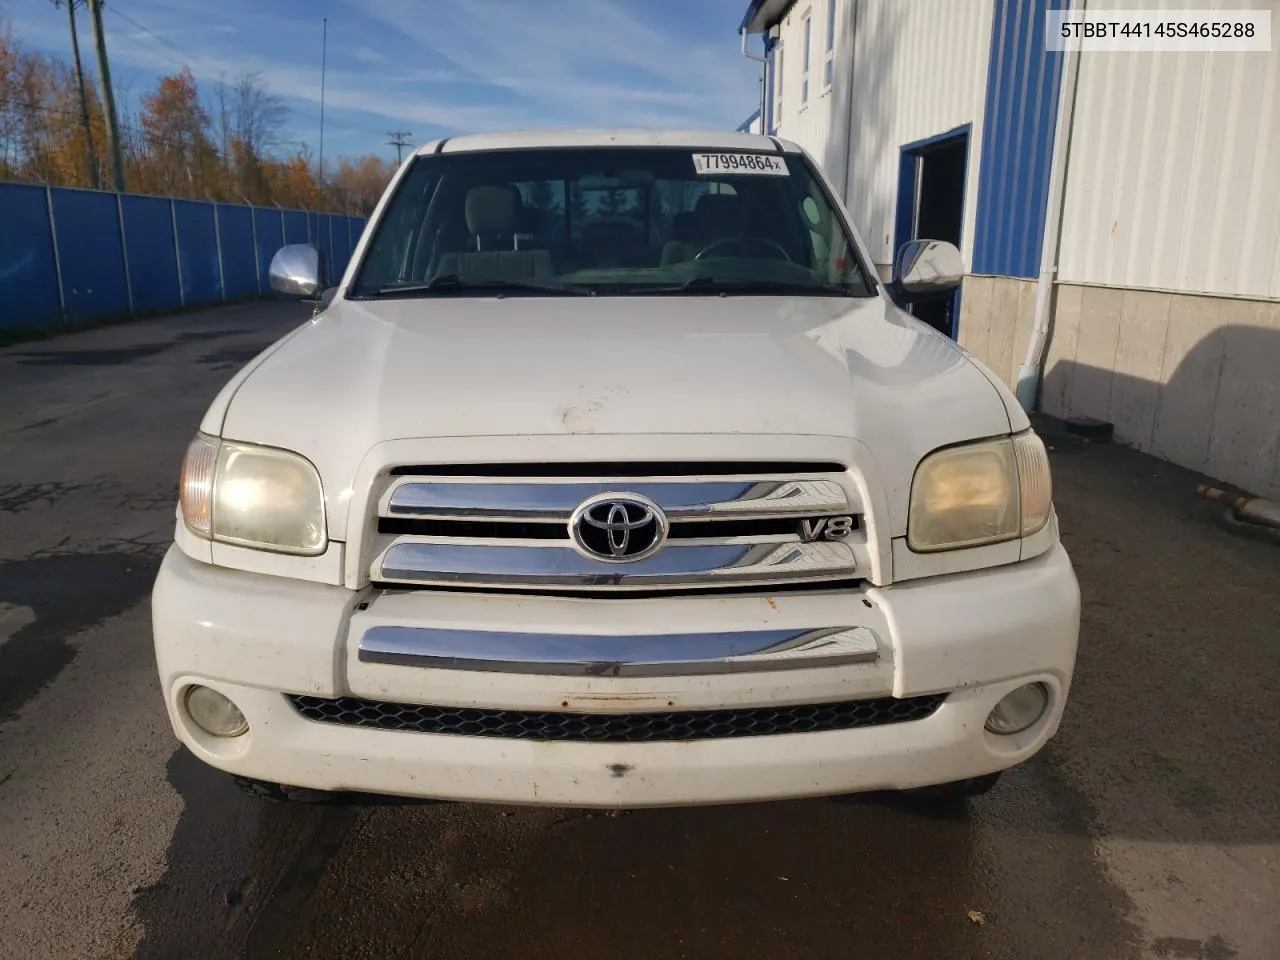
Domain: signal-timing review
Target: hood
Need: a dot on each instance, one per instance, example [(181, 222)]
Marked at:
[(364, 372)]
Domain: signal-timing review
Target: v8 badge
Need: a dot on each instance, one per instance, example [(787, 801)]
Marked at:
[(826, 528)]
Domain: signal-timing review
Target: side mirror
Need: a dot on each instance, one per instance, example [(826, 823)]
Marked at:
[(925, 270), (297, 271)]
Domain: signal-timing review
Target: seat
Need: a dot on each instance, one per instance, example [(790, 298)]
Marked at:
[(498, 265), (493, 214)]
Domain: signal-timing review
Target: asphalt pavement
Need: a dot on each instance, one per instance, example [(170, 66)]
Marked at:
[(1150, 828)]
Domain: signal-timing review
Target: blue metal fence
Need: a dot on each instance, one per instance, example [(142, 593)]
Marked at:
[(152, 264), (28, 269), (71, 255), (239, 260)]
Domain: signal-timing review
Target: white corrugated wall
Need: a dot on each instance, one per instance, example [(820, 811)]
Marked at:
[(1174, 177), (915, 70)]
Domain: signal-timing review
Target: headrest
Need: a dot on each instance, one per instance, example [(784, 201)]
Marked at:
[(493, 208)]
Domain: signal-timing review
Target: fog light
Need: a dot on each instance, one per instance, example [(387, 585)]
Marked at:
[(215, 714), (1019, 709)]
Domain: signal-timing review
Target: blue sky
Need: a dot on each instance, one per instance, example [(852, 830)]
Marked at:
[(435, 66)]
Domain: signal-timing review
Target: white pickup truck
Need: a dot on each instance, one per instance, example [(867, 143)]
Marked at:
[(609, 474)]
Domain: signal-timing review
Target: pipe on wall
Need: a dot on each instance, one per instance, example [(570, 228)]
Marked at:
[(764, 77), (855, 24), (1028, 385)]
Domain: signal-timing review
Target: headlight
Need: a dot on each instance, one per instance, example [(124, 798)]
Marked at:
[(980, 493), (253, 496)]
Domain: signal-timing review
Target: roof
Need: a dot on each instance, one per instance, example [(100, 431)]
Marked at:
[(763, 14), (533, 139)]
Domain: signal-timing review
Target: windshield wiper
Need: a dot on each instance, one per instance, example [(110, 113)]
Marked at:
[(708, 284), (452, 282)]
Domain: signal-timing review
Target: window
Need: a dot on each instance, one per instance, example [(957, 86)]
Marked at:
[(610, 221), (804, 73), (828, 67)]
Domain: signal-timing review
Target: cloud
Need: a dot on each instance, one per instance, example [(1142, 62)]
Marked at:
[(586, 60), (152, 33), (478, 65)]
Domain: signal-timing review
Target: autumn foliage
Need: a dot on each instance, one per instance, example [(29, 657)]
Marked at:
[(226, 145)]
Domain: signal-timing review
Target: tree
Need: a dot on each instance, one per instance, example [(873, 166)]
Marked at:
[(356, 185), (249, 122), (292, 183), (9, 123), (577, 203), (616, 203), (260, 115), (543, 203), (178, 131), (175, 146), (43, 134)]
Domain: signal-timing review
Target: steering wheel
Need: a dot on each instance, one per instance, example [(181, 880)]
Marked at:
[(774, 251)]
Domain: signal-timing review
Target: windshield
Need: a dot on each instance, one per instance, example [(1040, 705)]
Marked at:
[(610, 222)]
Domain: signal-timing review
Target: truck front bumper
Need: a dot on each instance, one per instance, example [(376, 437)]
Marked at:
[(264, 642)]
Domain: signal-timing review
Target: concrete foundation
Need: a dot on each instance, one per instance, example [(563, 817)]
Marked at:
[(1191, 379)]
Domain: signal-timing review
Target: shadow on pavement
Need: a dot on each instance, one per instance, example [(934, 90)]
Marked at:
[(113, 356), (870, 877), (68, 593), (228, 854), (1178, 658)]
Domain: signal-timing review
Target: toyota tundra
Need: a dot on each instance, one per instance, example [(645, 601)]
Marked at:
[(610, 473)]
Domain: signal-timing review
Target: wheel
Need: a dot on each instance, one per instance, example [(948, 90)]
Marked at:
[(279, 792)]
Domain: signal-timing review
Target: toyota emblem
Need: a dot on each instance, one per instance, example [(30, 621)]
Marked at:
[(618, 527)]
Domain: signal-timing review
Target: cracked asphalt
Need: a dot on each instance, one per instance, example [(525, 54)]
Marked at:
[(1150, 828)]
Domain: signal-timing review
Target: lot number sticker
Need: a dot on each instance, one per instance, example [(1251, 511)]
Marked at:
[(705, 163)]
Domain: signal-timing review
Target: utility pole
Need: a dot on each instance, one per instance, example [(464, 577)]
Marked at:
[(399, 140), (108, 95), (84, 97)]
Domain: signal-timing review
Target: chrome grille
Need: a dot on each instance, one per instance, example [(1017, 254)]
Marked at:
[(557, 501), (502, 529), (617, 728)]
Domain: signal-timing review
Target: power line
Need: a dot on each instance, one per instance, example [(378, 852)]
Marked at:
[(156, 37), (199, 62), (134, 130), (326, 121)]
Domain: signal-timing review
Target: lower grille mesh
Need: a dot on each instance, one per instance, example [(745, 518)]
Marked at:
[(617, 728)]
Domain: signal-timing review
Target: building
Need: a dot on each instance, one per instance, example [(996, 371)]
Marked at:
[(948, 119)]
